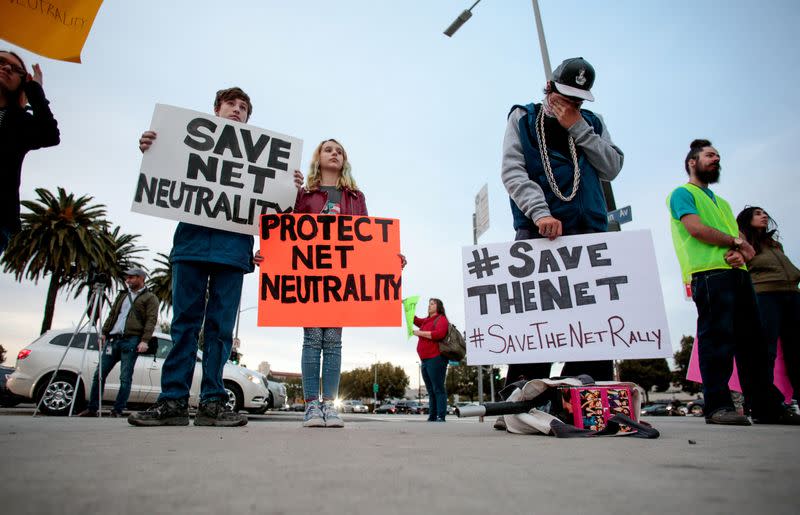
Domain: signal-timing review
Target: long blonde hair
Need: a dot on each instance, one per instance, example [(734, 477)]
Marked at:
[(315, 175)]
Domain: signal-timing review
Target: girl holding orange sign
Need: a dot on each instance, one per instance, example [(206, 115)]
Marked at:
[(330, 189)]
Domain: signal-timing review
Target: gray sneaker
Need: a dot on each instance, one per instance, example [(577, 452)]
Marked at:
[(727, 417), (162, 413), (313, 416), (331, 416), (500, 423), (216, 413)]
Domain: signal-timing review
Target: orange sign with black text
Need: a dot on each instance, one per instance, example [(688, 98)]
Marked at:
[(329, 271)]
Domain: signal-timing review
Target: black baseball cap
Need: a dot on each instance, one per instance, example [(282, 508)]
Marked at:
[(574, 78)]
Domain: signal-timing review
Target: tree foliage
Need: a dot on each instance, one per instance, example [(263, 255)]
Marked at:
[(357, 383), (2, 354), (160, 281), (62, 236), (682, 366), (463, 380), (647, 373)]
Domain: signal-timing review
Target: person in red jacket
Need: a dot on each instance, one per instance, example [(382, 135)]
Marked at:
[(431, 330)]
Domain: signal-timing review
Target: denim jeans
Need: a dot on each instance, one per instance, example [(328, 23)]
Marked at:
[(780, 315), (728, 326), (189, 307), (123, 351), (327, 342), (434, 372)]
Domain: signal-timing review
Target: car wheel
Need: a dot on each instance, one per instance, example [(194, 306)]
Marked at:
[(270, 401), (697, 411), (235, 396), (57, 398)]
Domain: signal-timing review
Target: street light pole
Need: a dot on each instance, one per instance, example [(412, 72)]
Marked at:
[(374, 390)]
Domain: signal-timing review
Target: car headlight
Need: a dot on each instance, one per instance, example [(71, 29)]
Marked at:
[(250, 377)]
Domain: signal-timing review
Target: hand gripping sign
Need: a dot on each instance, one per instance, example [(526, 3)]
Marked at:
[(215, 172), (329, 271), (576, 298)]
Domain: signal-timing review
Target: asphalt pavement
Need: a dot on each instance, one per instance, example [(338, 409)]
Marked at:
[(389, 464)]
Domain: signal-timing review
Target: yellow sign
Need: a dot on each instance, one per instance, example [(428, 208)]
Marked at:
[(52, 28)]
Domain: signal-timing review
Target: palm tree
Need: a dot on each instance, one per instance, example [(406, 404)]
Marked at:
[(160, 282), (122, 256), (62, 236)]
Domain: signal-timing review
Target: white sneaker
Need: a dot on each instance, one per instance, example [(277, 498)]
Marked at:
[(313, 416), (331, 416)]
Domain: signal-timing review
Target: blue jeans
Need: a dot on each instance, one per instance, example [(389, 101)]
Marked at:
[(325, 341), (434, 372), (123, 351), (780, 314), (728, 326), (190, 280)]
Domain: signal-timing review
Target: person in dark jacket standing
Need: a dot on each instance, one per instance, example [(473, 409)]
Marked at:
[(208, 267), (432, 329), (554, 156), (21, 130), (775, 279), (126, 333)]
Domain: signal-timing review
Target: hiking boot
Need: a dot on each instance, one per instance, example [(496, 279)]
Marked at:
[(216, 413), (500, 423), (166, 412), (314, 416), (87, 413), (727, 417), (331, 416), (786, 417)]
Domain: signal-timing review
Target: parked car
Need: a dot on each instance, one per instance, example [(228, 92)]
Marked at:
[(8, 399), (297, 406), (655, 410), (389, 408), (36, 363), (277, 395), (354, 406), (411, 407)]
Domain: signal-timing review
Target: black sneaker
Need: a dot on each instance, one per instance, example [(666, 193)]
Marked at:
[(786, 417), (217, 413), (727, 417), (167, 412)]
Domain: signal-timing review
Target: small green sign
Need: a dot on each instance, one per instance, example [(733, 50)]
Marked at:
[(375, 387)]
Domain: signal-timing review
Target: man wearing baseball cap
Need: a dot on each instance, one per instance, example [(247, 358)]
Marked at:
[(126, 333), (554, 156)]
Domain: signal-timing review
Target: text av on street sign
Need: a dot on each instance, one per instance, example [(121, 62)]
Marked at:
[(330, 271), (215, 172), (622, 215), (576, 298)]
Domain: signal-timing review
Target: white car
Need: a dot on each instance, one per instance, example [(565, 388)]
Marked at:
[(354, 406), (246, 389)]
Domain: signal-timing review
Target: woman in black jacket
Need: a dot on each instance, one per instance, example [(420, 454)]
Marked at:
[(26, 123)]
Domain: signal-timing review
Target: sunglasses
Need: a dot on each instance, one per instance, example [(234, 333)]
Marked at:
[(14, 68)]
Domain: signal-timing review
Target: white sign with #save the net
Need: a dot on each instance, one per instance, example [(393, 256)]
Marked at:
[(215, 172), (576, 298)]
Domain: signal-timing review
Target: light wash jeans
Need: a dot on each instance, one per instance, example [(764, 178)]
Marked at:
[(327, 343)]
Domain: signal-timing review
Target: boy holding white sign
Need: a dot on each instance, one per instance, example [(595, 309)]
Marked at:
[(208, 267)]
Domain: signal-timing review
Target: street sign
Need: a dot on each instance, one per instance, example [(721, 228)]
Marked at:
[(374, 387), (622, 215), (482, 211)]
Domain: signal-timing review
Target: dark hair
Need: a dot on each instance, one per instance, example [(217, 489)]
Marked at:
[(439, 306), (756, 237), (233, 94), (15, 96), (695, 147)]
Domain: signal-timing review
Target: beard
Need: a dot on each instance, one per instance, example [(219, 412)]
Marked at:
[(709, 175)]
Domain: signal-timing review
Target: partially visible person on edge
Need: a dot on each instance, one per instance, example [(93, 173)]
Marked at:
[(125, 334), (20, 132), (712, 254), (432, 329), (330, 189), (208, 267), (554, 156), (775, 280)]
